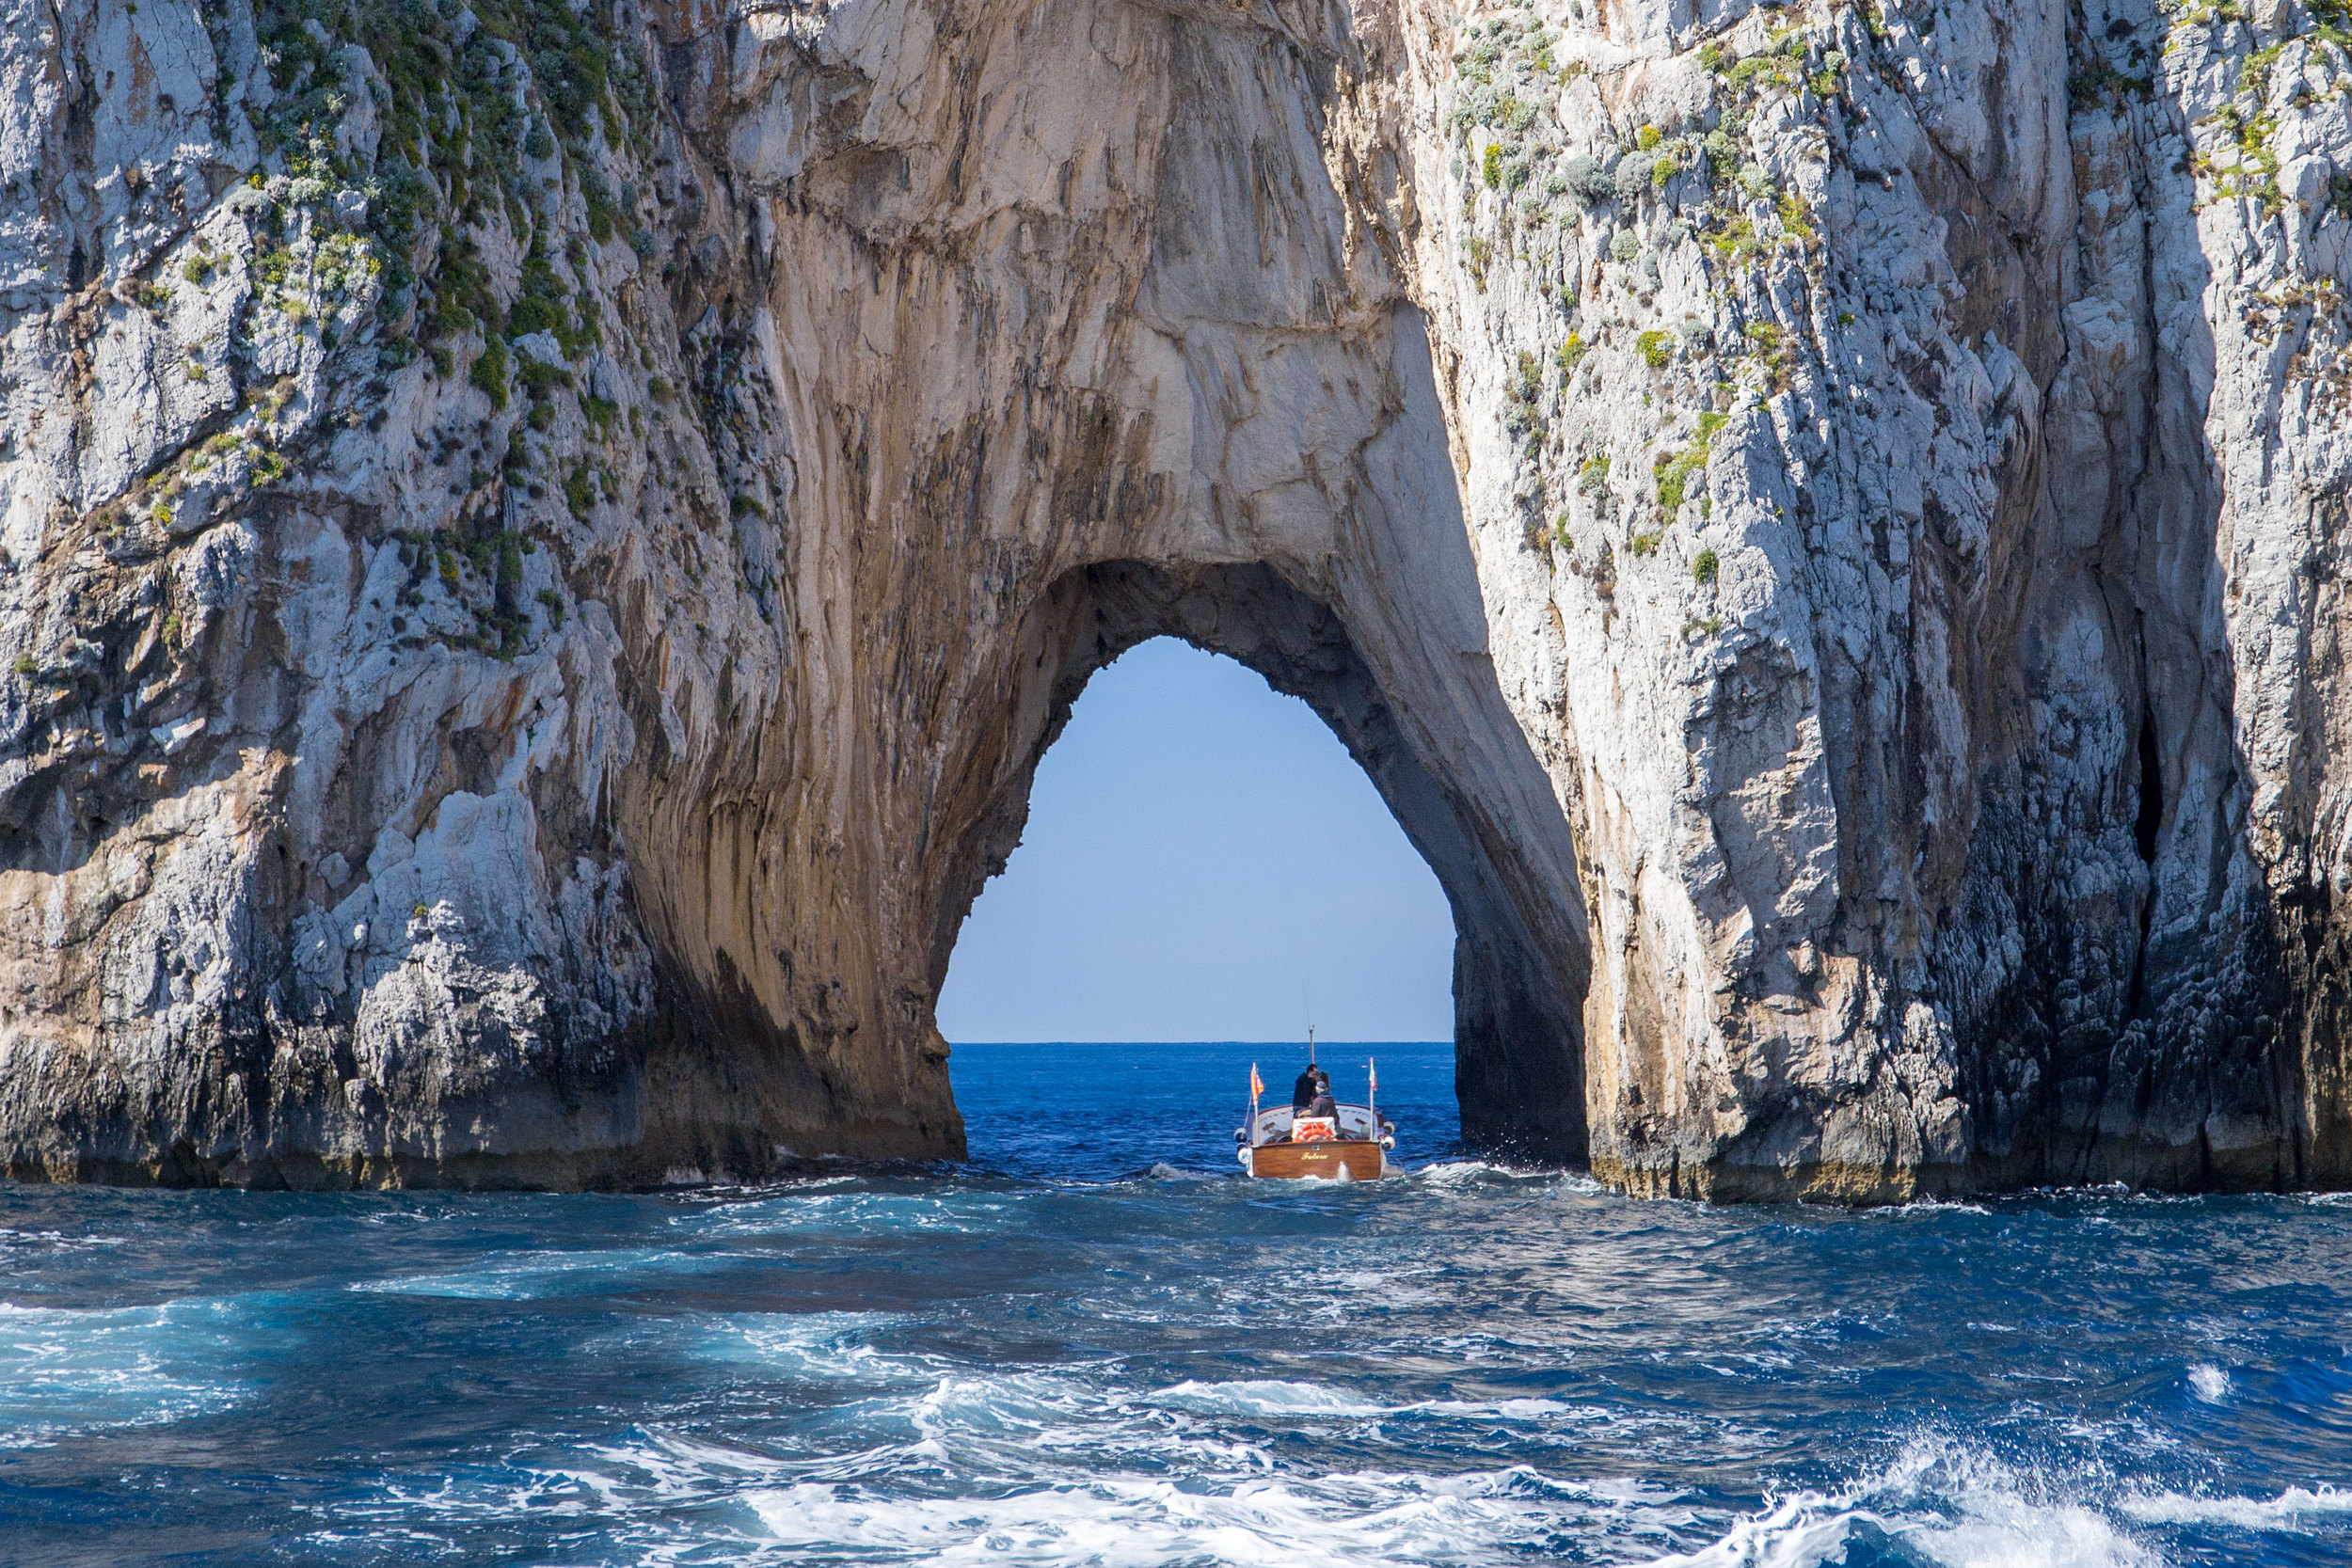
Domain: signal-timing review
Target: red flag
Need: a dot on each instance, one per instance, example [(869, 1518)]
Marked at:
[(1257, 1085)]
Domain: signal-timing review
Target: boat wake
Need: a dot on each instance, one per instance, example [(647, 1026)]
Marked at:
[(1062, 1467), (673, 1499)]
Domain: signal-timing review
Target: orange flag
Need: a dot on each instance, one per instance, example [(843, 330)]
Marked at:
[(1257, 1085)]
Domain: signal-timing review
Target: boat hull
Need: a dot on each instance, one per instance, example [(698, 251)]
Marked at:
[(1340, 1160)]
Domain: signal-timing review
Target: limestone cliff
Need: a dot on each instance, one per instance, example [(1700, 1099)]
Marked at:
[(542, 546)]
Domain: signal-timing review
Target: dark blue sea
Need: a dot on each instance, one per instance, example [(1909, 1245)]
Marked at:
[(1096, 1344)]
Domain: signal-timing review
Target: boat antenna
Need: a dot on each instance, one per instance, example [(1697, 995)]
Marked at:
[(1311, 1045)]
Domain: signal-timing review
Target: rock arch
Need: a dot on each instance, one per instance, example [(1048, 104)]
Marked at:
[(1351, 594), (1830, 558), (1520, 946), (1190, 395)]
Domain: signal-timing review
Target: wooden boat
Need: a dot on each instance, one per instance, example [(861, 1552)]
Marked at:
[(1284, 1142)]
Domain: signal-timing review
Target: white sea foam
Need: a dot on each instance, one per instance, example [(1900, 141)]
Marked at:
[(1513, 1410), (1450, 1174), (1048, 1467), (2296, 1508), (1925, 1206), (1939, 1503), (1265, 1397), (1041, 1469), (11, 1238), (1120, 1520), (538, 1275), (1798, 1532), (1126, 1522), (2209, 1382), (65, 1370), (672, 1497), (1273, 1398), (851, 1210), (934, 1461), (814, 1346)]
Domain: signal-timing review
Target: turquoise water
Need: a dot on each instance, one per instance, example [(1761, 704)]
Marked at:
[(1096, 1344)]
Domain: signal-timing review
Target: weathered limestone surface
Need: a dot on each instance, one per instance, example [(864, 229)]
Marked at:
[(540, 550)]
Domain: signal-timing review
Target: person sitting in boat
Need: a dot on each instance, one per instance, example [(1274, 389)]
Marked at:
[(1319, 1122)]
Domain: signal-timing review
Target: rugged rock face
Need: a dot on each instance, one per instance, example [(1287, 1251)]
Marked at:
[(543, 547)]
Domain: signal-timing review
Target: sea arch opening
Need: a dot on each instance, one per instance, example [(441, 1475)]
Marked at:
[(1519, 962), (1202, 862), (1204, 871)]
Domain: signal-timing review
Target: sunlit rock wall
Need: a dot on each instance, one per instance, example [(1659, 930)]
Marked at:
[(542, 547)]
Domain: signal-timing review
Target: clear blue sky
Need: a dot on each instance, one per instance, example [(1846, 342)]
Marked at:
[(1203, 861)]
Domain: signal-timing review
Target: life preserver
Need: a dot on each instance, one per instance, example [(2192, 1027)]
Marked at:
[(1313, 1129)]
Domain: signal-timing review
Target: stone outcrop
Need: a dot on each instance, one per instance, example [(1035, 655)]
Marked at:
[(540, 550)]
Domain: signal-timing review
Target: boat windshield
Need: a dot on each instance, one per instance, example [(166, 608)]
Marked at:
[(1356, 1122)]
